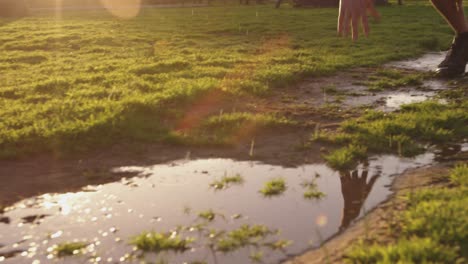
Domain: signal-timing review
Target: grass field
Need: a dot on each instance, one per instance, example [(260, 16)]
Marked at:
[(81, 80)]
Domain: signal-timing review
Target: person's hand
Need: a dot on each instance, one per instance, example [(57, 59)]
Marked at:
[(352, 13)]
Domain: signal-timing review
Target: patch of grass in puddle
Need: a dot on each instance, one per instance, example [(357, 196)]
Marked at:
[(208, 215), (393, 78), (311, 191), (256, 256), (274, 187), (156, 242), (69, 248), (249, 236), (226, 181), (432, 229), (279, 244), (243, 236), (347, 157)]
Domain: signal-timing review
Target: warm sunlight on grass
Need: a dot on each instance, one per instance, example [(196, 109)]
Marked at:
[(91, 79)]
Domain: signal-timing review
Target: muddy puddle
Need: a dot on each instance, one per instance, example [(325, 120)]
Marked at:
[(428, 62), (188, 198), (392, 100), (214, 207), (348, 91)]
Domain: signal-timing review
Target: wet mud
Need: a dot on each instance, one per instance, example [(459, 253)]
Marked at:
[(107, 197)]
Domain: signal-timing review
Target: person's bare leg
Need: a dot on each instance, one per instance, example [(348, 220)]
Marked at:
[(454, 63), (452, 11)]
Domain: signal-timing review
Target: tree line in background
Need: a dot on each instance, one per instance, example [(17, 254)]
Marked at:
[(21, 7)]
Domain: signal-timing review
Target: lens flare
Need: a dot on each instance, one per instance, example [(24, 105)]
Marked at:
[(125, 9), (321, 220)]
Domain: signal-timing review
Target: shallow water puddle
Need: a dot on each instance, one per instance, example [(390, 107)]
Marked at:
[(164, 197), (396, 100), (391, 101), (428, 62)]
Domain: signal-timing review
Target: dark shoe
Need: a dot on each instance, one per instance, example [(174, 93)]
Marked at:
[(455, 61)]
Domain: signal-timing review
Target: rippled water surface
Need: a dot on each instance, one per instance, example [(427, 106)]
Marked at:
[(164, 197)]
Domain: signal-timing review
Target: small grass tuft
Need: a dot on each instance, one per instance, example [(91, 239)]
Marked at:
[(226, 181), (311, 191), (156, 242), (280, 244), (208, 215), (347, 157), (243, 236), (256, 257), (69, 249), (313, 194), (274, 187)]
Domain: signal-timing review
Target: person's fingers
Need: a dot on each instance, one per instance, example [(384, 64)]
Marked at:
[(365, 22), (341, 19), (374, 13), (355, 22), (347, 23), (364, 175)]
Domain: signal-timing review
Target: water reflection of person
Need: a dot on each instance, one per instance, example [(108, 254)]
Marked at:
[(355, 190)]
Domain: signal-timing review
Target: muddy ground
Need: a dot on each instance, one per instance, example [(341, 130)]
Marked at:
[(307, 102)]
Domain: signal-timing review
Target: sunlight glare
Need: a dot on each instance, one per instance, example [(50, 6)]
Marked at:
[(321, 220), (58, 9), (125, 9)]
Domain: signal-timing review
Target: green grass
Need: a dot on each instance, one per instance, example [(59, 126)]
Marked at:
[(69, 249), (414, 250), (229, 128), (243, 236), (226, 181), (157, 242), (406, 132), (393, 78), (207, 237), (89, 80), (347, 157), (208, 215), (459, 175), (311, 191), (274, 187), (433, 229)]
